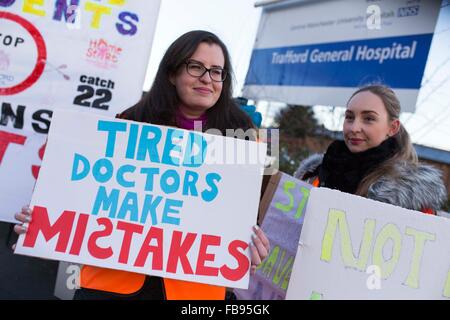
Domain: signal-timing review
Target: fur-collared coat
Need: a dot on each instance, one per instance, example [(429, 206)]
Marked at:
[(414, 187)]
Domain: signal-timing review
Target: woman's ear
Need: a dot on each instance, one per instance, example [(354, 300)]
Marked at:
[(395, 127), (172, 79)]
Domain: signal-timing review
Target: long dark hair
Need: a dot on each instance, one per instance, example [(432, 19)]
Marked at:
[(160, 104)]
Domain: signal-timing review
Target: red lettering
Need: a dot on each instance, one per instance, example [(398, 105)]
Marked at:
[(79, 234), (40, 223), (94, 249), (203, 256), (6, 138), (242, 259), (129, 229), (35, 169), (179, 250), (157, 251)]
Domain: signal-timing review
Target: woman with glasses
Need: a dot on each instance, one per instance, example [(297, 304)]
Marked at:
[(193, 84)]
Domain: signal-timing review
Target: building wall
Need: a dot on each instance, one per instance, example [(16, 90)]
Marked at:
[(445, 168)]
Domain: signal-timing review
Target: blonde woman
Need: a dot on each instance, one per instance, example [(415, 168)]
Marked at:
[(376, 159)]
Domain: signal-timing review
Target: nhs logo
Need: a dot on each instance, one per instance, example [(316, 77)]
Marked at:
[(408, 11)]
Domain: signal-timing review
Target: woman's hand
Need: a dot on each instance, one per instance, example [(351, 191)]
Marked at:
[(259, 248), (24, 218)]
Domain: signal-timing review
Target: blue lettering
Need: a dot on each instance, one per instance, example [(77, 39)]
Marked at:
[(121, 173), (127, 28), (129, 204), (150, 205), (170, 146), (132, 138), (77, 159), (168, 208), (211, 180), (106, 202), (112, 128), (170, 188), (97, 170), (6, 3), (61, 8), (149, 145), (150, 172), (195, 160), (189, 185)]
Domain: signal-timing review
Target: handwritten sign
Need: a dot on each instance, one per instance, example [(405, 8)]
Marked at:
[(355, 248), (78, 55), (144, 198), (282, 224)]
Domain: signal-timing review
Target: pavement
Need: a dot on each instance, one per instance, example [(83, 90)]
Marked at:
[(21, 277)]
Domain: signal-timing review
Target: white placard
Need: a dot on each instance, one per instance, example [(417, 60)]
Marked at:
[(146, 199), (80, 55), (355, 248)]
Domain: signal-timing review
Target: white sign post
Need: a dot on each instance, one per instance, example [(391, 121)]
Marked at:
[(79, 55), (355, 248), (146, 199)]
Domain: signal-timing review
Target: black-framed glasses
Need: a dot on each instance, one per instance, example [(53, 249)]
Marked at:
[(197, 70)]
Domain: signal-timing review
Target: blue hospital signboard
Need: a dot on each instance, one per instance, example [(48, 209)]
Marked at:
[(319, 53)]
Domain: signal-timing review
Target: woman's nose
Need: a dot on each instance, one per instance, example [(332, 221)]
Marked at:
[(206, 77), (355, 126)]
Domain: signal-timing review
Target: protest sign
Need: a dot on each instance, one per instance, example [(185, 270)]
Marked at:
[(146, 199), (356, 248), (282, 224), (81, 55)]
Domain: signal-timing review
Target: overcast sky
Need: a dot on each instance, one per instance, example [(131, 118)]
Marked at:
[(236, 23)]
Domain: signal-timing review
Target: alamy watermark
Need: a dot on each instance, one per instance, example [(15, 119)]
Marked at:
[(373, 21), (73, 280), (231, 150), (373, 282)]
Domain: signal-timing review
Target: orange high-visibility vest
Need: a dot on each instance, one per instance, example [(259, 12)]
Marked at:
[(125, 282), (316, 182)]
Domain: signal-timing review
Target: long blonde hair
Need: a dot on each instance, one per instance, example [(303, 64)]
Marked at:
[(406, 152)]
